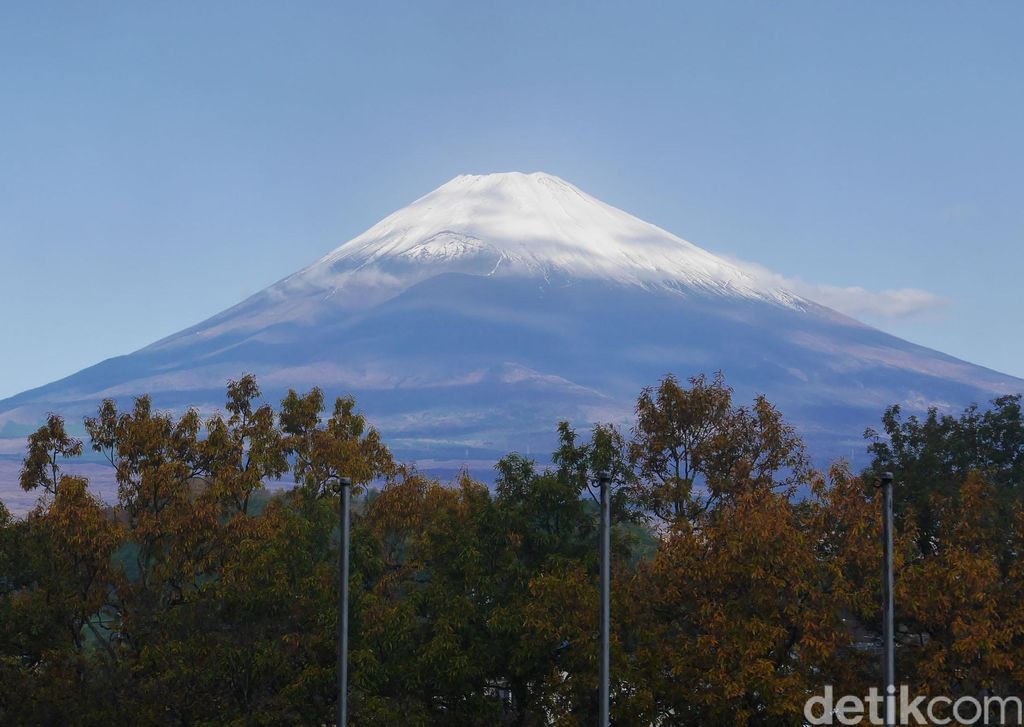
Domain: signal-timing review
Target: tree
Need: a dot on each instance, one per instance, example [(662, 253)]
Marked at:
[(960, 609), (740, 615), (56, 571), (186, 587), (959, 484), (692, 448), (246, 450), (343, 447), (202, 598), (935, 456), (47, 447)]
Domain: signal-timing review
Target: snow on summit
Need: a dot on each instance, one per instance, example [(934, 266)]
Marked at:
[(533, 226), (527, 224)]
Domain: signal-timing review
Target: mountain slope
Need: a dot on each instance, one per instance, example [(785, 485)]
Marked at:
[(471, 321)]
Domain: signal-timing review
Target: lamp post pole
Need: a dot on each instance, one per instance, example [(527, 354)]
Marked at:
[(888, 606), (344, 491), (604, 479)]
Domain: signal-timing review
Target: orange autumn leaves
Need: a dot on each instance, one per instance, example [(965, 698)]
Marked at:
[(744, 580)]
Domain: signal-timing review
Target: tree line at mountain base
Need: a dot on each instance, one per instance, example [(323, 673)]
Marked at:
[(744, 581)]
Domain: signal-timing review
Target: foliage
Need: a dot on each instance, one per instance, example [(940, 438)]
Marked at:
[(204, 598), (935, 455), (693, 449), (960, 501)]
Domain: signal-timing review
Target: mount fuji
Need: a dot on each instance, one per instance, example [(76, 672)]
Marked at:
[(468, 323)]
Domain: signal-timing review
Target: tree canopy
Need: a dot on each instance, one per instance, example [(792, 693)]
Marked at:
[(743, 579)]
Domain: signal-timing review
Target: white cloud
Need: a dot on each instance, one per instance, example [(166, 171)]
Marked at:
[(855, 301)]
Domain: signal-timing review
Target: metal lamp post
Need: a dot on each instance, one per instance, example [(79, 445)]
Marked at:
[(344, 492), (888, 606), (604, 479)]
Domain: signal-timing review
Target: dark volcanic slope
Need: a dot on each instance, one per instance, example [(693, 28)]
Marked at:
[(464, 366)]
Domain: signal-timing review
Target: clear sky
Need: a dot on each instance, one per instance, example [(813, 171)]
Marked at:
[(158, 162)]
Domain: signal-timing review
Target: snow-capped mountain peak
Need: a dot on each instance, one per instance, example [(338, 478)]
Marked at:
[(510, 225), (474, 319), (523, 224)]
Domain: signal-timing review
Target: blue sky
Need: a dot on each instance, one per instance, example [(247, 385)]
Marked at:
[(158, 162)]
